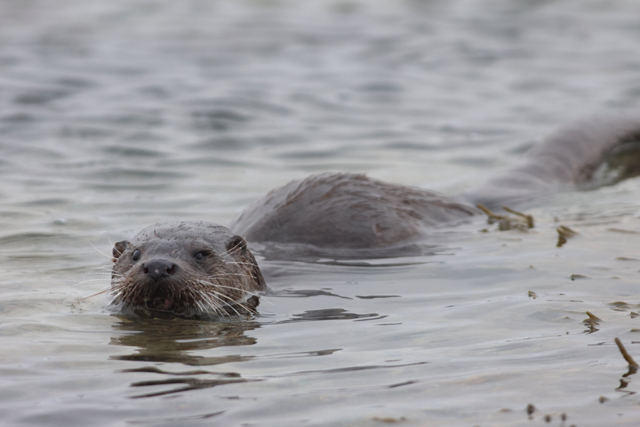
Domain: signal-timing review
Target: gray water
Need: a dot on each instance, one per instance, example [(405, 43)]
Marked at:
[(115, 115)]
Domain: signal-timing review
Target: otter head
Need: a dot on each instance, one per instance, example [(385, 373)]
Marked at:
[(189, 269)]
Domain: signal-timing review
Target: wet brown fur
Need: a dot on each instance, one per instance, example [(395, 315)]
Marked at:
[(350, 211), (225, 281)]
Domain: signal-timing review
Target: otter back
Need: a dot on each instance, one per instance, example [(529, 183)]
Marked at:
[(336, 210), (346, 211)]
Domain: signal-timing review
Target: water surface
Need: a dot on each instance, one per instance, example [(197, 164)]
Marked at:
[(115, 115)]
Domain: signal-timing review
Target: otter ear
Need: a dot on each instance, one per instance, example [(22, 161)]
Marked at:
[(119, 248), (235, 243)]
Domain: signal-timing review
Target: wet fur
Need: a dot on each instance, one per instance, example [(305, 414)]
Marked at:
[(336, 210), (226, 279)]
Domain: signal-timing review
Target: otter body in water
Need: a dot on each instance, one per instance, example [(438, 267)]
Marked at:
[(192, 269), (337, 210), (355, 212)]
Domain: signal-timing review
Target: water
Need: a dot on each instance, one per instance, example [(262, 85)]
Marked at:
[(115, 115)]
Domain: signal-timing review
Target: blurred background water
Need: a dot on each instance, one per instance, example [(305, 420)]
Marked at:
[(115, 115)]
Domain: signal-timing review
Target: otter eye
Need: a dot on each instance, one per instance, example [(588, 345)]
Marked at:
[(136, 255), (200, 255)]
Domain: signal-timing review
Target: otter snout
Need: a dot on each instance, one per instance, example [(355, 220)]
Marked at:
[(190, 269), (158, 269)]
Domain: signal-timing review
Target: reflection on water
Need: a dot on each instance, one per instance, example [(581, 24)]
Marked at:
[(171, 341), (403, 254), (183, 384), (158, 340), (331, 314)]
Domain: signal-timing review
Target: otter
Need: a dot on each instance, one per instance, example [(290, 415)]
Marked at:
[(195, 269), (349, 211), (188, 269)]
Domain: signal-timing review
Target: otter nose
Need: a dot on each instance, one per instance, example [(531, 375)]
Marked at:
[(158, 269)]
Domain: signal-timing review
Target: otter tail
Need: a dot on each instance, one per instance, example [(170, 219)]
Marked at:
[(568, 157)]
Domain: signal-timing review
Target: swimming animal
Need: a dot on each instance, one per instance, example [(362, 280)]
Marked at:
[(196, 269)]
